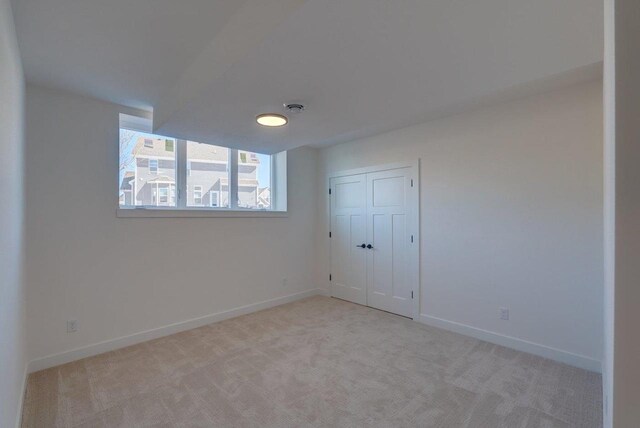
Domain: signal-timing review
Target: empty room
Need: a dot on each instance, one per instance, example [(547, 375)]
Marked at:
[(320, 213)]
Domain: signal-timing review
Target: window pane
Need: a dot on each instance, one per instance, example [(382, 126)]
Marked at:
[(207, 175), (254, 180), (147, 170), (153, 166)]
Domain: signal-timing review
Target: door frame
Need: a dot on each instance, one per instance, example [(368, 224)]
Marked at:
[(413, 206)]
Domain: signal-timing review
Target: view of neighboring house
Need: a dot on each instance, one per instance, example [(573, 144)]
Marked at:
[(126, 189), (264, 197), (151, 178)]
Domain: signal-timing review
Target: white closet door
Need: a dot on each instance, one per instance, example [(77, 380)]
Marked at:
[(388, 232), (348, 234)]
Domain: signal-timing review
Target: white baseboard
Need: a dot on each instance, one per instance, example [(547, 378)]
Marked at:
[(324, 291), (23, 390), (143, 336), (565, 357)]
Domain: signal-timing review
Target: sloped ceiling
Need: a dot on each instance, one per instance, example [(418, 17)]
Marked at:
[(361, 67)]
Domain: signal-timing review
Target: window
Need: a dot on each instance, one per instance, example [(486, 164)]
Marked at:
[(197, 196), (214, 198), (161, 172), (153, 166), (163, 198)]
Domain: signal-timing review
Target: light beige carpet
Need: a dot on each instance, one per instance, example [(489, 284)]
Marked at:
[(319, 362)]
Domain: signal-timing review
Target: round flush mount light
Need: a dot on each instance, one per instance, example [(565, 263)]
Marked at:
[(271, 119)]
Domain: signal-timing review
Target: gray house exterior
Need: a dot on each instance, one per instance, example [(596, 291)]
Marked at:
[(152, 181)]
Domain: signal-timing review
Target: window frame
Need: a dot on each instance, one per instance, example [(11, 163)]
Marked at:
[(278, 185)]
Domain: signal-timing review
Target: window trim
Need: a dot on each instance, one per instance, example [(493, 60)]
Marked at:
[(278, 165), (196, 212)]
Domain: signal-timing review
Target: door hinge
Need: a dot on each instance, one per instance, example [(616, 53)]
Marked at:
[(329, 277), (412, 239), (412, 294), (329, 190), (329, 234), (412, 182)]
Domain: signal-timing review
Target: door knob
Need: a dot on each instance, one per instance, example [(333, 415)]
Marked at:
[(369, 246), (361, 246)]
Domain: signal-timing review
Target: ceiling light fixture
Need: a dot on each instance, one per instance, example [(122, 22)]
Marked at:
[(271, 119)]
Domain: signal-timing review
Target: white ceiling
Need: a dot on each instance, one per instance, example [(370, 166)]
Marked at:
[(125, 51), (360, 66)]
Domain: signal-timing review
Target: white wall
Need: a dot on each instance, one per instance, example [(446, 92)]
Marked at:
[(622, 289), (511, 215), (120, 276), (12, 322)]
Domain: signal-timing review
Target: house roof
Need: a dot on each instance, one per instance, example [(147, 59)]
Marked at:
[(161, 179), (248, 158), (246, 182), (200, 151), (158, 147), (195, 151), (264, 195), (126, 180)]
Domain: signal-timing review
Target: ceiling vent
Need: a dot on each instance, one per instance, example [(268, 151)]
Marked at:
[(294, 108)]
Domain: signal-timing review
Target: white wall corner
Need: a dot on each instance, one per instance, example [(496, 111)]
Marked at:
[(324, 291)]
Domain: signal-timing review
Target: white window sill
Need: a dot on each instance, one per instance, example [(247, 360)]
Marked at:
[(196, 213)]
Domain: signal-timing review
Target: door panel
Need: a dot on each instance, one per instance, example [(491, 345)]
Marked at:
[(380, 274), (349, 194), (388, 262), (388, 192), (348, 229), (400, 257)]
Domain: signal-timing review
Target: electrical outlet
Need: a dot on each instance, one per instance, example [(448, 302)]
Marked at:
[(72, 326), (504, 314), (284, 282)]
